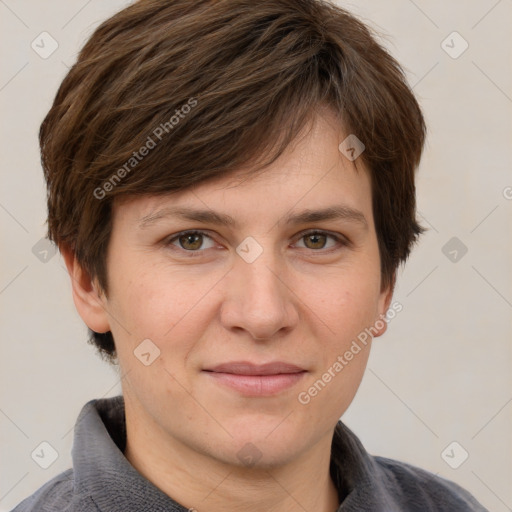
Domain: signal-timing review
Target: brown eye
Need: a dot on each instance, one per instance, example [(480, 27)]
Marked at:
[(315, 240), (191, 242), (322, 241)]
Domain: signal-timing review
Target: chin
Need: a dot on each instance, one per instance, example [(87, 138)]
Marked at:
[(268, 442)]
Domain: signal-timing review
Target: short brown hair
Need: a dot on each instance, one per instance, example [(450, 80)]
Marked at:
[(252, 74)]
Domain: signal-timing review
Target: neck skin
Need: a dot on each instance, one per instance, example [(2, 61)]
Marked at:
[(202, 483)]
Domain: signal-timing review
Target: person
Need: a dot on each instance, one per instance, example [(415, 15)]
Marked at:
[(231, 185)]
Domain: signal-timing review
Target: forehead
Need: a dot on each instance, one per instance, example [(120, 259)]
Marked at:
[(312, 174)]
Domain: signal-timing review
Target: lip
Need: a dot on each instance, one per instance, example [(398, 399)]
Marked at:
[(248, 368), (256, 380)]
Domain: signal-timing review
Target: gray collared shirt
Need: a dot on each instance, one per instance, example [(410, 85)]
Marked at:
[(103, 480)]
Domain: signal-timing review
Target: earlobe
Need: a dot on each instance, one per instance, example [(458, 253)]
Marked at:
[(89, 301), (386, 295)]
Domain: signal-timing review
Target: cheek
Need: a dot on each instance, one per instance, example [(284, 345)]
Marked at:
[(162, 304), (346, 310), (346, 302)]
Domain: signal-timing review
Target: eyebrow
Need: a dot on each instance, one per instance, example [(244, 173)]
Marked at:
[(335, 212)]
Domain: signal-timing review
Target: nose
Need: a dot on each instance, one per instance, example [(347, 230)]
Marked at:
[(258, 299)]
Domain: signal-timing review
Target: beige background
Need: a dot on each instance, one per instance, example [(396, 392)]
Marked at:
[(442, 372)]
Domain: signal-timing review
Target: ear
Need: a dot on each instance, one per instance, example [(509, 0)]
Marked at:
[(89, 301), (386, 294)]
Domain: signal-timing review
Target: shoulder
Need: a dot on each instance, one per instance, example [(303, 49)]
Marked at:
[(423, 490), (56, 494)]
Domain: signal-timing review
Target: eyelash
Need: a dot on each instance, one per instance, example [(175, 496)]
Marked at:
[(342, 241)]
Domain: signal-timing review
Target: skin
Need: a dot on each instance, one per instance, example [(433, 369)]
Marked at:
[(303, 301)]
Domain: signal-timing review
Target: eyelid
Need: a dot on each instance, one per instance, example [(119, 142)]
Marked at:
[(338, 237), (342, 239)]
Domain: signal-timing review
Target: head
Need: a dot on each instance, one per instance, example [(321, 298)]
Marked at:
[(244, 119)]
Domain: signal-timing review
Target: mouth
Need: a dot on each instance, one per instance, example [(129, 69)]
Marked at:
[(256, 380)]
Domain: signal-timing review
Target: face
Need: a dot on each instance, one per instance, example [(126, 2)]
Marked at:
[(272, 286)]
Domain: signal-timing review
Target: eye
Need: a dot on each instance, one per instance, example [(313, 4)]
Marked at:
[(317, 240), (190, 241), (193, 242)]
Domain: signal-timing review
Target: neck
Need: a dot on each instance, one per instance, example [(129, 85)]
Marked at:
[(200, 482)]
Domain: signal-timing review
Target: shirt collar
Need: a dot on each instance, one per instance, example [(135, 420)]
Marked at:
[(102, 471)]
